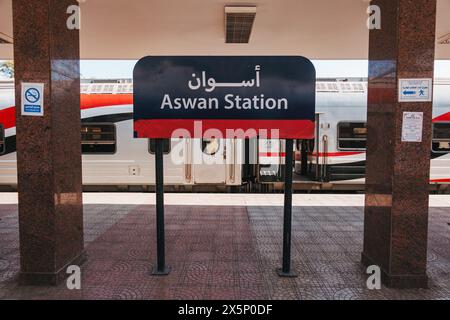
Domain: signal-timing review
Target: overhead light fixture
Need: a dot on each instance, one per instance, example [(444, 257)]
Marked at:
[(239, 24), (445, 39), (4, 38)]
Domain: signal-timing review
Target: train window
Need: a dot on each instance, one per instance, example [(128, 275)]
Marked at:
[(152, 146), (352, 135), (441, 137), (98, 138), (210, 146), (2, 140)]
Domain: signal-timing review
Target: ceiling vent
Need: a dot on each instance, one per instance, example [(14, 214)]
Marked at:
[(239, 24)]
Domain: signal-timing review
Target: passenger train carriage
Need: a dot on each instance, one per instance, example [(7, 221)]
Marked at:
[(335, 159)]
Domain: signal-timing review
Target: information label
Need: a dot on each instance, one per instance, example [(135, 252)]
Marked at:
[(412, 127), (415, 90)]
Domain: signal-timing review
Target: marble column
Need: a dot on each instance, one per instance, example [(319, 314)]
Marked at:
[(397, 173), (48, 147)]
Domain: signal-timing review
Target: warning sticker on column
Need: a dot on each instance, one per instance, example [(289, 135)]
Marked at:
[(32, 99), (412, 127), (415, 90)]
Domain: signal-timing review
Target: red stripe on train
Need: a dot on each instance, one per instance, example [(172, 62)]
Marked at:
[(89, 101), (440, 180), (330, 154), (272, 154), (8, 117), (442, 118), (336, 154)]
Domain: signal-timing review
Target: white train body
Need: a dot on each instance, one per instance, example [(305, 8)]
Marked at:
[(344, 102), (121, 160)]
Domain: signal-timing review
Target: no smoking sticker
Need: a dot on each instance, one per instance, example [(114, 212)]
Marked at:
[(32, 99)]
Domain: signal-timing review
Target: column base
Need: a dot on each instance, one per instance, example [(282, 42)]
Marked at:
[(290, 274), (156, 272), (404, 281), (50, 278)]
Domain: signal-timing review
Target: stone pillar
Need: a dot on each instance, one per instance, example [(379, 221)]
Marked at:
[(48, 147), (397, 173)]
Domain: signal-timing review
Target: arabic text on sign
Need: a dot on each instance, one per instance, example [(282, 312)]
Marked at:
[(211, 84)]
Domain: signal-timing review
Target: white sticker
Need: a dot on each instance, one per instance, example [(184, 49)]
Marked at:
[(412, 127), (32, 99), (415, 90)]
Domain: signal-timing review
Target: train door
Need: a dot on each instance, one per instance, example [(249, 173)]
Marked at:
[(303, 148), (319, 158), (209, 161), (271, 160)]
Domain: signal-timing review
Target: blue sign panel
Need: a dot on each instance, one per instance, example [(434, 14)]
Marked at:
[(223, 93)]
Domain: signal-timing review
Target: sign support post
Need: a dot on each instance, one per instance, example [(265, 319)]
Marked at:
[(161, 269), (286, 271), (234, 97)]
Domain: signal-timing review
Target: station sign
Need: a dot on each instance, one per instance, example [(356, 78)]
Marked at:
[(200, 94), (32, 99), (415, 90)]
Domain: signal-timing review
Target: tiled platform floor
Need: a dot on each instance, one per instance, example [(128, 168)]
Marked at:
[(227, 252)]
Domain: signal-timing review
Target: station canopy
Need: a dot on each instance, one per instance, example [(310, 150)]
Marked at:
[(317, 29)]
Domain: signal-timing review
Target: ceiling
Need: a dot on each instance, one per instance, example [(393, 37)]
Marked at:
[(317, 29)]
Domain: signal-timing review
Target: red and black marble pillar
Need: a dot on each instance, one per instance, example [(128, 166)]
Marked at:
[(48, 147), (396, 209)]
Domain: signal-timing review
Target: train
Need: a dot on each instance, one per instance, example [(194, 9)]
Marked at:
[(112, 159)]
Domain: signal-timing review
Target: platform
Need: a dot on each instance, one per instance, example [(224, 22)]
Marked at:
[(224, 246)]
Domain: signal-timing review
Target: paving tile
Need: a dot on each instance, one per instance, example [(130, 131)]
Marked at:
[(223, 253)]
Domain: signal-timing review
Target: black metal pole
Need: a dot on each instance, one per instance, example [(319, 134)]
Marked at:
[(161, 268), (285, 271)]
